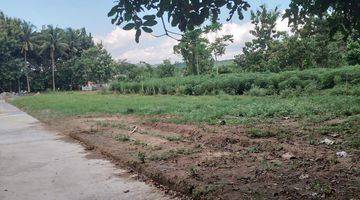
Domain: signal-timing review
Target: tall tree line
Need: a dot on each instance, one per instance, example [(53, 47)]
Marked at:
[(313, 43), (49, 58)]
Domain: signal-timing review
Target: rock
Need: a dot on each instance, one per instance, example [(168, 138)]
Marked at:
[(304, 176), (222, 122), (327, 141), (288, 156), (342, 154), (126, 191)]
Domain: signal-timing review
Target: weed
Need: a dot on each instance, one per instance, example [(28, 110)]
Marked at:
[(141, 156), (140, 143), (102, 123), (254, 149), (194, 171), (173, 153), (174, 138), (122, 138), (257, 133)]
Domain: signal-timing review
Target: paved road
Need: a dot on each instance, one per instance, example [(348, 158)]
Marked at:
[(37, 164)]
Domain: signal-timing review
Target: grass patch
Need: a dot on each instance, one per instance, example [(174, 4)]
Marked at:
[(192, 109), (122, 138), (173, 153), (257, 133)]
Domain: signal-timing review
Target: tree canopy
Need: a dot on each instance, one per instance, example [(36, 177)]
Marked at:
[(185, 15)]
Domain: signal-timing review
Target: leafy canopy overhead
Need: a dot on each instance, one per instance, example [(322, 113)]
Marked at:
[(185, 15), (345, 14)]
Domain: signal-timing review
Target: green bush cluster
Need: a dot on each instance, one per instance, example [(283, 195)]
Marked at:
[(252, 83)]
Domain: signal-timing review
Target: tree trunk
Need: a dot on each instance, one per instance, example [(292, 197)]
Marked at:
[(19, 87), (217, 65), (53, 68), (27, 74)]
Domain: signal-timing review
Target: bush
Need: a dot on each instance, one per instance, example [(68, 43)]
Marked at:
[(256, 91), (265, 83)]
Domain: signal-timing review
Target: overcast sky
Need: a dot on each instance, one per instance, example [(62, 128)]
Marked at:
[(92, 14)]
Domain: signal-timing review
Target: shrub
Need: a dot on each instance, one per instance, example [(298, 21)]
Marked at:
[(259, 83), (256, 91)]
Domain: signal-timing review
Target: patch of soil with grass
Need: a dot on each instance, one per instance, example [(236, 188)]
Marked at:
[(272, 161)]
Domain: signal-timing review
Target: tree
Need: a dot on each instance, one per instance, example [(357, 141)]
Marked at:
[(218, 47), (186, 15), (344, 14), (353, 53), (257, 51), (26, 38), (166, 69), (53, 43), (194, 48), (94, 64)]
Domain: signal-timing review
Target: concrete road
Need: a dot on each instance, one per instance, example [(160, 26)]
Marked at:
[(37, 164)]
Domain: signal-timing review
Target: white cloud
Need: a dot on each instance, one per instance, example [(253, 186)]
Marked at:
[(121, 44)]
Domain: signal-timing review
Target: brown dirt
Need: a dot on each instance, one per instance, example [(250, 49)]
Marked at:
[(222, 162)]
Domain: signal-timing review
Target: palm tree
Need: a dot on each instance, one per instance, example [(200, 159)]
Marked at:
[(72, 39), (26, 37), (53, 43)]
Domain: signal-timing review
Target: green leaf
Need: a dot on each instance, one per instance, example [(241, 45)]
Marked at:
[(147, 29), (175, 21), (149, 17), (129, 26), (113, 20), (113, 11), (150, 23), (137, 35)]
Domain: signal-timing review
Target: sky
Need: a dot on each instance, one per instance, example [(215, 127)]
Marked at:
[(92, 14)]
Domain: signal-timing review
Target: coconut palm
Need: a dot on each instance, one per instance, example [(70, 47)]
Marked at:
[(53, 43), (72, 38), (26, 38)]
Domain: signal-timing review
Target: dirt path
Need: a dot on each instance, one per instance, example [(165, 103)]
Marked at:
[(36, 163)]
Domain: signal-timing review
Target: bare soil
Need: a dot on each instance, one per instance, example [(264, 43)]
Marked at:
[(272, 161)]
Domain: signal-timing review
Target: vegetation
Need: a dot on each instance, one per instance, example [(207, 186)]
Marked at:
[(308, 46), (186, 15), (307, 81), (196, 109), (49, 58)]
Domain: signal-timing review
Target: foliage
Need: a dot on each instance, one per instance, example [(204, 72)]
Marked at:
[(166, 69), (344, 13), (218, 46), (186, 15), (257, 51), (49, 57), (78, 70), (196, 52), (309, 46), (237, 84), (353, 53), (53, 44)]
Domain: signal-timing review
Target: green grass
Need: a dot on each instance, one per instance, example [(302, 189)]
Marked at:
[(193, 109), (122, 138)]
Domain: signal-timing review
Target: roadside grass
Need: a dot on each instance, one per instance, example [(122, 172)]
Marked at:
[(194, 109)]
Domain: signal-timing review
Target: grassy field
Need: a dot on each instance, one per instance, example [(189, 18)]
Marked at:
[(196, 109)]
